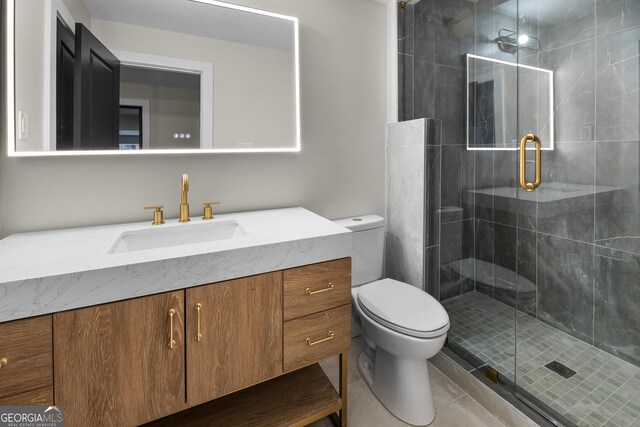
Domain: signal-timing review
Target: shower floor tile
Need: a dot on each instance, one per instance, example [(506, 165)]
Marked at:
[(604, 391)]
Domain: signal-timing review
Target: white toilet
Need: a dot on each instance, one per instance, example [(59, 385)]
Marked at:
[(402, 326)]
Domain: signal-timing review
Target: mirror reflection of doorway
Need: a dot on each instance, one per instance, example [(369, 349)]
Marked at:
[(131, 135)]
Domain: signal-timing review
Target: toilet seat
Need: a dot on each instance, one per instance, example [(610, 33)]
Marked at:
[(403, 308)]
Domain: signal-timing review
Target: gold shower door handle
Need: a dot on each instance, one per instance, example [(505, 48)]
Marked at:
[(530, 186)]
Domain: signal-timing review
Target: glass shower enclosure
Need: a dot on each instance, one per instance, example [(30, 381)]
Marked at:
[(537, 259)]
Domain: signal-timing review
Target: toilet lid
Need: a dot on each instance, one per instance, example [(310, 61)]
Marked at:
[(403, 308)]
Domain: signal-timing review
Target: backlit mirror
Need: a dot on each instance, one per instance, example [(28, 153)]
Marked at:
[(150, 76), (495, 105)]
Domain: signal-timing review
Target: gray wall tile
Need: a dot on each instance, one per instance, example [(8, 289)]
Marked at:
[(617, 292), (565, 285)]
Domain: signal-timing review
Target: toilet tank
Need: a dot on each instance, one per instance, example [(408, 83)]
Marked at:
[(368, 246)]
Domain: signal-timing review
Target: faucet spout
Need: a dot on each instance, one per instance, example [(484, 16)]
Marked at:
[(184, 202)]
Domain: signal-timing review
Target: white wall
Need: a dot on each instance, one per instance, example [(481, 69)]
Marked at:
[(30, 69), (340, 171)]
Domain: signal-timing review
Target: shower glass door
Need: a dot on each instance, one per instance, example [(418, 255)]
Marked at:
[(542, 287), (577, 235)]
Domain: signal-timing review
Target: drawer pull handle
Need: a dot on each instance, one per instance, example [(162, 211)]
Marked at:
[(328, 337), (3, 362), (310, 292), (172, 342), (198, 334)]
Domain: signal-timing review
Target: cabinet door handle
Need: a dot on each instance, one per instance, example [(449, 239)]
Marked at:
[(198, 334), (3, 362), (172, 342), (327, 338), (308, 291)]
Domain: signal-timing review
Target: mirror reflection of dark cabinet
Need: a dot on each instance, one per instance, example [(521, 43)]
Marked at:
[(88, 88), (65, 60)]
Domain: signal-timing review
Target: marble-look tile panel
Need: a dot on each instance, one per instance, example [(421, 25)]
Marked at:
[(527, 262), (454, 31), (506, 209), (483, 177), (406, 193), (574, 89), (617, 292), (484, 251), (572, 217), (616, 15), (450, 255), (432, 271), (450, 99), (618, 85), (468, 240), (404, 262), (434, 132), (485, 29), (617, 221), (505, 256), (565, 285), (424, 104), (573, 22), (451, 176), (432, 196), (456, 243), (405, 87), (424, 32), (405, 29), (467, 179), (409, 132)]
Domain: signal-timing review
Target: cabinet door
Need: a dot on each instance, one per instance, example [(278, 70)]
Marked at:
[(237, 340), (113, 364)]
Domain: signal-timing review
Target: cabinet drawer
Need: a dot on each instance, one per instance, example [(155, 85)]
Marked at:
[(27, 355), (315, 337), (39, 397), (316, 287)]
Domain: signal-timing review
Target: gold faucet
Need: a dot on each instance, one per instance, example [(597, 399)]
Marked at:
[(184, 204)]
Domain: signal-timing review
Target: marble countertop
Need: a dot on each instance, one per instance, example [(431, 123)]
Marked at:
[(46, 272)]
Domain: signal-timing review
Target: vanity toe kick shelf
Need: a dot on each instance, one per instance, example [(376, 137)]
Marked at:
[(295, 399)]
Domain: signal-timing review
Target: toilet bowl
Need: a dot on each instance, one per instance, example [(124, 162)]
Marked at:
[(402, 326), (398, 343)]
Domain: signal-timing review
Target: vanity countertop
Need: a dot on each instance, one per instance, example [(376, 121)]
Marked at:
[(51, 271)]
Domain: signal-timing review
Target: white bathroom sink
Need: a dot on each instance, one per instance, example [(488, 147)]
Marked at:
[(175, 235)]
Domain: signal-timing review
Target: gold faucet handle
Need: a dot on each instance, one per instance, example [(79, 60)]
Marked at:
[(158, 216), (208, 210)]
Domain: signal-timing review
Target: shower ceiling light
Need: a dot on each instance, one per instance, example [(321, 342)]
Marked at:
[(508, 41)]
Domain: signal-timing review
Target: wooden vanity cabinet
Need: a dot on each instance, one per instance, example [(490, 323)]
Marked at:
[(122, 363), (234, 335), (136, 361)]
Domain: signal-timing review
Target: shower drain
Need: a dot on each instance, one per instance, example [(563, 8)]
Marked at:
[(560, 369)]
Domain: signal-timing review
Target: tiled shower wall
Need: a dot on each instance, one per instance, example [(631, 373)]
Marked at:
[(582, 254)]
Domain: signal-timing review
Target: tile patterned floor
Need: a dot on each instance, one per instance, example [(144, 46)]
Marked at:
[(605, 391), (454, 407)]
